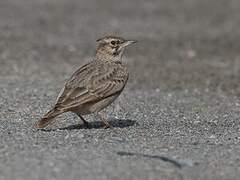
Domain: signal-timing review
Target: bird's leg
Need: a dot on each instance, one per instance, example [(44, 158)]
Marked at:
[(118, 108), (102, 116), (84, 121)]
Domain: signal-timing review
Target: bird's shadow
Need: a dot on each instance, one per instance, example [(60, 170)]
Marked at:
[(118, 123)]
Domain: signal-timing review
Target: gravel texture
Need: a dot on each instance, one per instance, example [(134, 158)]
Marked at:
[(178, 117)]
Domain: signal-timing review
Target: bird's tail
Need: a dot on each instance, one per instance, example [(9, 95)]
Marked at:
[(48, 118)]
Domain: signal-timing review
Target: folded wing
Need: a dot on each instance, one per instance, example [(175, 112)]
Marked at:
[(92, 83)]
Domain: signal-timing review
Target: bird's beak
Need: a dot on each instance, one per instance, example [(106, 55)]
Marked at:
[(128, 42)]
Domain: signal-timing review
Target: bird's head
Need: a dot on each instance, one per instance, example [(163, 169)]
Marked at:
[(112, 47)]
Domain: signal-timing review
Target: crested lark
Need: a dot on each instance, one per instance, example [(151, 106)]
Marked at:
[(95, 85)]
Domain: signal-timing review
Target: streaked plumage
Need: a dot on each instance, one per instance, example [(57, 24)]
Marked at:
[(95, 85)]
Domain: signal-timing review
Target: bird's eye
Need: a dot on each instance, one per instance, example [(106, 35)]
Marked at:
[(113, 42)]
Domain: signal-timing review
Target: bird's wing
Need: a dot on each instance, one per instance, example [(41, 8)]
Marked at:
[(78, 80), (91, 83)]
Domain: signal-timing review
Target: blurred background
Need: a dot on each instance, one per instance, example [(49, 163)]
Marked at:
[(183, 44), (182, 98)]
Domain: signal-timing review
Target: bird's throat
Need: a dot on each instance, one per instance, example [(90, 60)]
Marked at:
[(106, 56)]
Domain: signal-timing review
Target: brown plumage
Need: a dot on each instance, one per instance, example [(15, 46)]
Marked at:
[(95, 85)]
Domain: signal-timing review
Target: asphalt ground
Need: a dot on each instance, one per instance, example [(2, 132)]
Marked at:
[(177, 118)]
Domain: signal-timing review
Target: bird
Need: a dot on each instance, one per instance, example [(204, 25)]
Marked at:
[(95, 85)]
